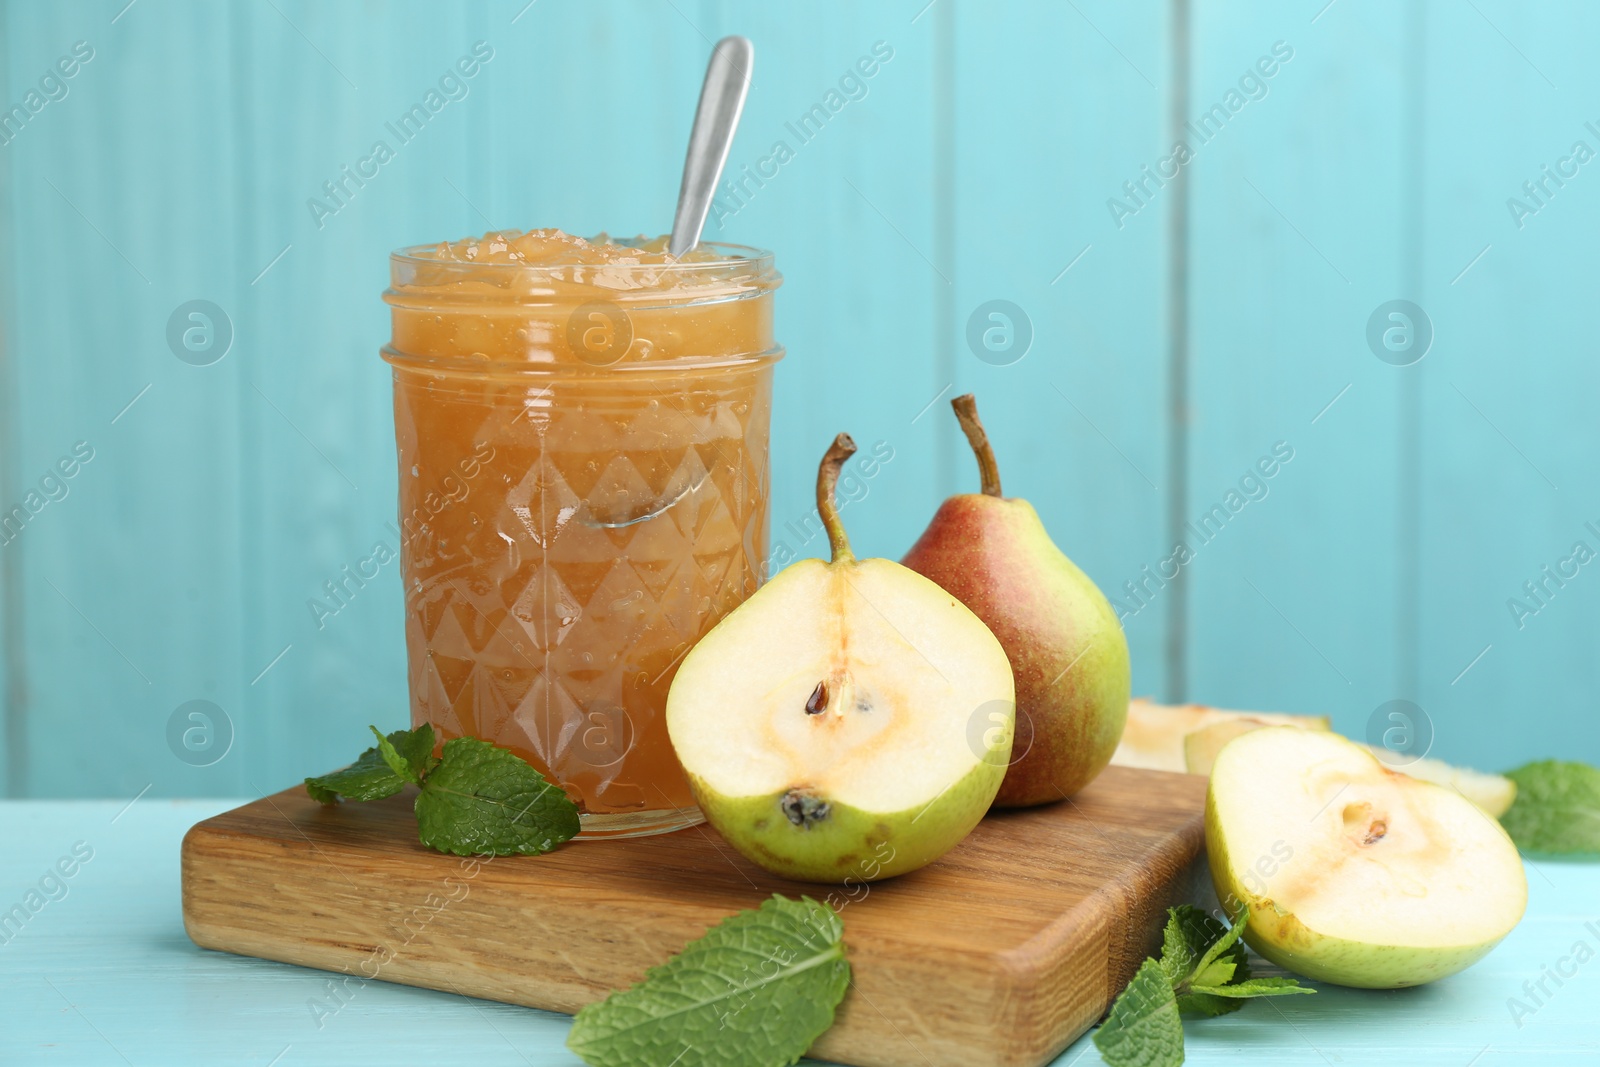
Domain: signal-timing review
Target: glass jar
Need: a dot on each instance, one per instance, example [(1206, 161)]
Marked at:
[(584, 474)]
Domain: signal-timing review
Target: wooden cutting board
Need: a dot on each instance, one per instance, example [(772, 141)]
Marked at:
[(1001, 953)]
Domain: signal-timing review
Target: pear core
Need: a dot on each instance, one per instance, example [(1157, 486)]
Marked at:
[(1354, 873), (846, 709)]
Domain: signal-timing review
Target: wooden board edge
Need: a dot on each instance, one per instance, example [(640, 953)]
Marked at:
[(1129, 938)]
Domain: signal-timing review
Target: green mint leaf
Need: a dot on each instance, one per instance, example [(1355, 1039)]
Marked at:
[(1227, 943), (1206, 1005), (1557, 810), (1217, 972), (370, 777), (416, 748), (1255, 987), (1207, 972), (482, 800), (409, 753), (1143, 1029), (754, 991), (1189, 933), (1224, 973), (392, 758)]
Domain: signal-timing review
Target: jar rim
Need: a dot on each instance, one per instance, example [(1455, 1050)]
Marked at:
[(759, 261)]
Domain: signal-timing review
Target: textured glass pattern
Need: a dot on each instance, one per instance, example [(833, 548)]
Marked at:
[(566, 542)]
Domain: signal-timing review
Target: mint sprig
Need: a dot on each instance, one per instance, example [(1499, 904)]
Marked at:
[(753, 991), (370, 777), (475, 799), (409, 753), (1190, 935), (1203, 970), (1557, 810)]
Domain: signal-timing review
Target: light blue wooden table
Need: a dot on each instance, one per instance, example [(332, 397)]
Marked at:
[(103, 974)]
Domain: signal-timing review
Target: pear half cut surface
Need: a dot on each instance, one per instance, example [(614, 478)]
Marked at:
[(1355, 874), (850, 721)]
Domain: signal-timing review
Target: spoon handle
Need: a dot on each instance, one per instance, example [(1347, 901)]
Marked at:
[(715, 120)]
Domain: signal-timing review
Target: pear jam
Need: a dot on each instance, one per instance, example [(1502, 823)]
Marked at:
[(582, 434)]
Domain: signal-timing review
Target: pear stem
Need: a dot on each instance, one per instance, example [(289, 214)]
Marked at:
[(966, 407), (827, 478)]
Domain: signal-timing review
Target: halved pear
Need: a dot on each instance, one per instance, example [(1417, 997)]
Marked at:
[(1354, 873), (850, 721)]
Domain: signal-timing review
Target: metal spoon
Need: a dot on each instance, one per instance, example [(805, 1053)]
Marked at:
[(715, 120)]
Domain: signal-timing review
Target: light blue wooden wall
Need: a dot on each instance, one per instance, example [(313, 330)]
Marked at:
[(1220, 319)]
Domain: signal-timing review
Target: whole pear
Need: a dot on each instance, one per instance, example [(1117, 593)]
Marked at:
[(1066, 647)]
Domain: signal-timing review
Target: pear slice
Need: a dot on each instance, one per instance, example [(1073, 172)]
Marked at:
[(1354, 873), (1491, 792), (850, 721), (1200, 748), (1154, 735)]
